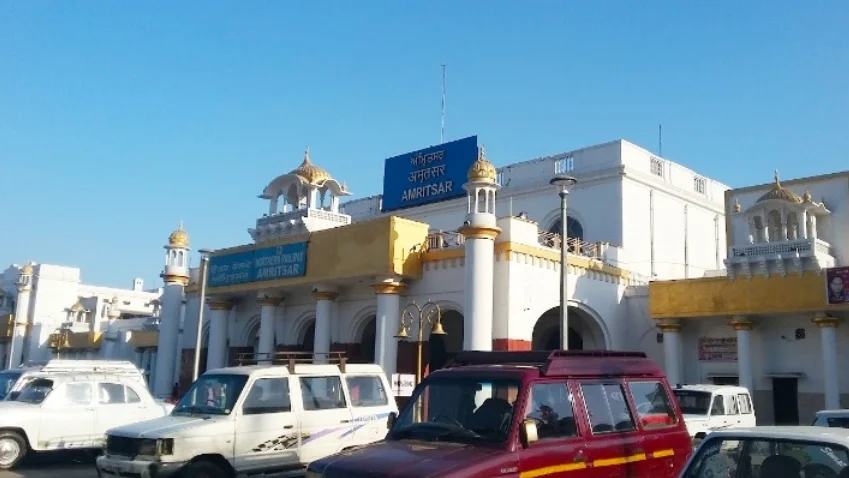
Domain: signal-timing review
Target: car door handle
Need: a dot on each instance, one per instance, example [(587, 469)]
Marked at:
[(345, 421), (288, 427), (579, 458)]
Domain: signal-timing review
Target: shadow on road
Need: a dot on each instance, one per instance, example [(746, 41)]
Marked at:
[(65, 464)]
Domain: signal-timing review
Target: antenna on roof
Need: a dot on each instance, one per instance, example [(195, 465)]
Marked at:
[(442, 129), (660, 140)]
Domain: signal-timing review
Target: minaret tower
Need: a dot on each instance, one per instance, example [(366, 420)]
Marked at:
[(25, 280), (480, 231), (176, 277)]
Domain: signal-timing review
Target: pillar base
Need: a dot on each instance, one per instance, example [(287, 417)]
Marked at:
[(511, 344)]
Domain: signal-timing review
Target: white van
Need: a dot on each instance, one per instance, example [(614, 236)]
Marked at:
[(256, 420), (12, 381), (714, 407)]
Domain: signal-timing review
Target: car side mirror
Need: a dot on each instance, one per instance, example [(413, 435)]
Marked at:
[(391, 420), (528, 433)]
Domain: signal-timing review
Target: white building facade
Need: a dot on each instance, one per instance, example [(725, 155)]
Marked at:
[(325, 276), (773, 322), (48, 312)]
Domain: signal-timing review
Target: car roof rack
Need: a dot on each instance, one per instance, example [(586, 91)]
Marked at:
[(565, 362), (290, 359), (82, 366)]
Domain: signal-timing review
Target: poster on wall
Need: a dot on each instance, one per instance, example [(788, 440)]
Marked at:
[(837, 285), (721, 349)]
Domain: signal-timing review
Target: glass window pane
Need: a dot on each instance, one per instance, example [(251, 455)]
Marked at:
[(214, 394), (268, 395), (132, 396), (459, 410), (77, 394), (550, 407), (366, 391), (653, 404), (322, 393), (110, 393), (623, 421)]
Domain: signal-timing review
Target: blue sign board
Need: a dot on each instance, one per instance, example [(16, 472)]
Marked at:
[(428, 175), (263, 264)]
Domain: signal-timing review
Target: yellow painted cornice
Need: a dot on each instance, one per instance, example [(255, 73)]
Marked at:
[(719, 296)]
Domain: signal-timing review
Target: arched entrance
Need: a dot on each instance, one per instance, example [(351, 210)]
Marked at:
[(307, 341), (366, 342), (584, 331)]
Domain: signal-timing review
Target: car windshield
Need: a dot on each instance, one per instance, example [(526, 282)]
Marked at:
[(692, 402), (35, 391), (7, 380), (212, 395), (460, 409), (767, 458)]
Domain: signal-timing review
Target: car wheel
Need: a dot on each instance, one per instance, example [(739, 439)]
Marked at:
[(13, 448), (203, 469)]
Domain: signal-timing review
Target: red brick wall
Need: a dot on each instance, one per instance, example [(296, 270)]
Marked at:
[(510, 344)]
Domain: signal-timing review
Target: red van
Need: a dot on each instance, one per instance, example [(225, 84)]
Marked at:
[(529, 414)]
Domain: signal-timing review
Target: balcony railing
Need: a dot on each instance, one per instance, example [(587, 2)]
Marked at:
[(285, 217), (803, 247), (445, 240)]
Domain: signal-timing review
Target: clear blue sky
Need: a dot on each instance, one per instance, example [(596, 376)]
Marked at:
[(119, 119)]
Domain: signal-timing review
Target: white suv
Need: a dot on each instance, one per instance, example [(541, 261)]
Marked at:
[(256, 420), (71, 411)]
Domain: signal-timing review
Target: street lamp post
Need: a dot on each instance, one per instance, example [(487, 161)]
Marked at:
[(204, 265), (429, 313), (14, 325), (564, 182)]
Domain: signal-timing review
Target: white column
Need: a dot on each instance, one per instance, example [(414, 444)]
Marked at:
[(744, 326), (672, 350), (323, 316), (813, 234), (480, 269), (169, 328), (21, 319), (268, 309), (181, 341), (387, 323), (216, 349), (803, 225), (828, 332)]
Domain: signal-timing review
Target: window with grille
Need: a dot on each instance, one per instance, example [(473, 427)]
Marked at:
[(699, 185), (657, 167), (564, 165)]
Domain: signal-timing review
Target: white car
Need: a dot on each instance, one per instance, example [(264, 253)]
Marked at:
[(832, 418), (714, 407), (71, 411), (256, 420), (12, 381), (772, 452)]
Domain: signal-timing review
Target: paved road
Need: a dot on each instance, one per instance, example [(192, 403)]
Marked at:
[(54, 466)]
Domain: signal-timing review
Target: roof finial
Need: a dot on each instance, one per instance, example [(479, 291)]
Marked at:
[(180, 227), (777, 182), (307, 155), (481, 153)]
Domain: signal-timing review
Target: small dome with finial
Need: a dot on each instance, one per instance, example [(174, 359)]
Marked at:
[(311, 173), (482, 170), (179, 238), (780, 192), (737, 206), (27, 269)]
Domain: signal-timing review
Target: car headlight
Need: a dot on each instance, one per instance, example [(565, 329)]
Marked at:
[(156, 447)]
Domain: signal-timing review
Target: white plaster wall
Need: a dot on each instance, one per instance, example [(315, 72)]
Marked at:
[(705, 238)]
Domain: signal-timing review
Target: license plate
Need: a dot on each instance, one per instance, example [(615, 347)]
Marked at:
[(115, 467)]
